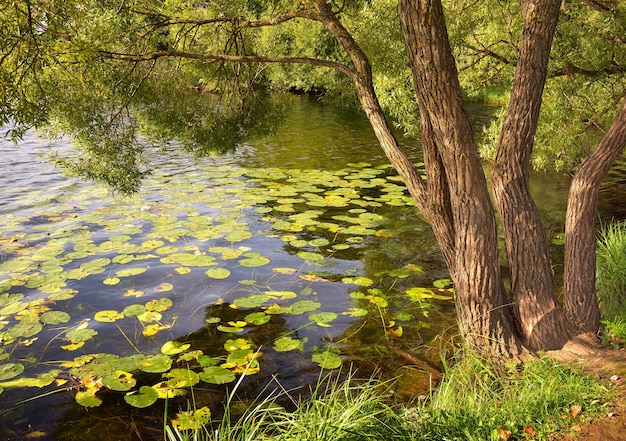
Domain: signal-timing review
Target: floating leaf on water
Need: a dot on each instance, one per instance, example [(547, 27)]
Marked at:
[(254, 301), (174, 347), (130, 272), (313, 278), (308, 255), (302, 306), (150, 316), (400, 273), (10, 370), (156, 364), (277, 309), (236, 344), (159, 305), (108, 316), (141, 398), (120, 381), (134, 310), (442, 283), (359, 281), (327, 360), (285, 344), (166, 250), (133, 293), (258, 318), (323, 318), (216, 375), (218, 273), (355, 312), (253, 260), (111, 281), (13, 308), (280, 295), (417, 294), (230, 329), (54, 317), (151, 244), (88, 398), (298, 243), (164, 287), (212, 320), (81, 335), (182, 270), (73, 346), (153, 329), (25, 329), (192, 420), (179, 378), (285, 271), (321, 242)]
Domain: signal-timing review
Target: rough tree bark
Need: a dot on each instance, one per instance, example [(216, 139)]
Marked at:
[(581, 303), (537, 310), (485, 317)]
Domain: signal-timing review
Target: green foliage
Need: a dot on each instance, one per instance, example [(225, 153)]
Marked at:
[(611, 271)]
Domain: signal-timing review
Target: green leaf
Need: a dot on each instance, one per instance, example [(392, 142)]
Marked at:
[(54, 317), (156, 364), (360, 281), (130, 272), (218, 273), (327, 360), (216, 375), (141, 398), (120, 381), (108, 316), (25, 329), (134, 310), (179, 378), (79, 335), (10, 370), (285, 344), (88, 398), (174, 347), (258, 318), (302, 306)]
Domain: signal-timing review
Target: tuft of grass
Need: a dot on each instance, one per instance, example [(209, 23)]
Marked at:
[(477, 400), (481, 400), (611, 271)]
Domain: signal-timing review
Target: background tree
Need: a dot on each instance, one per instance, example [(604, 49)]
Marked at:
[(106, 72)]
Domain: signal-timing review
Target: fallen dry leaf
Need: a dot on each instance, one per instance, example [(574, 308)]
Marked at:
[(575, 410)]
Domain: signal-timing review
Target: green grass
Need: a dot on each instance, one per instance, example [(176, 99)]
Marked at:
[(476, 401), (611, 271)]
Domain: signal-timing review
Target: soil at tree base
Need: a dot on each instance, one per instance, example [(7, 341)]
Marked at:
[(607, 364)]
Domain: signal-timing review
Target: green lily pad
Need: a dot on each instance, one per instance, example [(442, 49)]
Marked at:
[(108, 316), (216, 375), (111, 281), (253, 301), (79, 335), (174, 347), (360, 281), (285, 344), (156, 364), (258, 318), (120, 381), (159, 305), (88, 398), (302, 306), (218, 273), (179, 378), (253, 260), (195, 419), (130, 272), (134, 310), (10, 370), (144, 397), (323, 318), (54, 317), (327, 360), (25, 329)]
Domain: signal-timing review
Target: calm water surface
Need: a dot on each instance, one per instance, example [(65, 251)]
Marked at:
[(256, 200)]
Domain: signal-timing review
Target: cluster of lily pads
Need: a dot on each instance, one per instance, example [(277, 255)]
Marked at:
[(79, 265)]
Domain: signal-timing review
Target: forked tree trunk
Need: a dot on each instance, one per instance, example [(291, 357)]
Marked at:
[(484, 315), (533, 293), (580, 253)]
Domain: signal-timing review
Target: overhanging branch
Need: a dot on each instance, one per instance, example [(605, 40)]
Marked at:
[(147, 56)]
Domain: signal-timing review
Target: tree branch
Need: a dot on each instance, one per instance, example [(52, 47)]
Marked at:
[(571, 70), (147, 56)]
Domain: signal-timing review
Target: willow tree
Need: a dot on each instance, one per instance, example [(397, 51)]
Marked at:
[(105, 72)]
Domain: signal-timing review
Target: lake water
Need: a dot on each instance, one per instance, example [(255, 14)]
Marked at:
[(302, 248)]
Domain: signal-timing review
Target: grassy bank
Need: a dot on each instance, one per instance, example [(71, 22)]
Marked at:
[(475, 401)]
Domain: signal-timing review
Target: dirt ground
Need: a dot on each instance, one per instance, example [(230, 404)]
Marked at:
[(606, 364)]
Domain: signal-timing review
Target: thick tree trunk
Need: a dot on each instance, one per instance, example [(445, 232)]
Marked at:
[(484, 317), (580, 245), (540, 318)]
